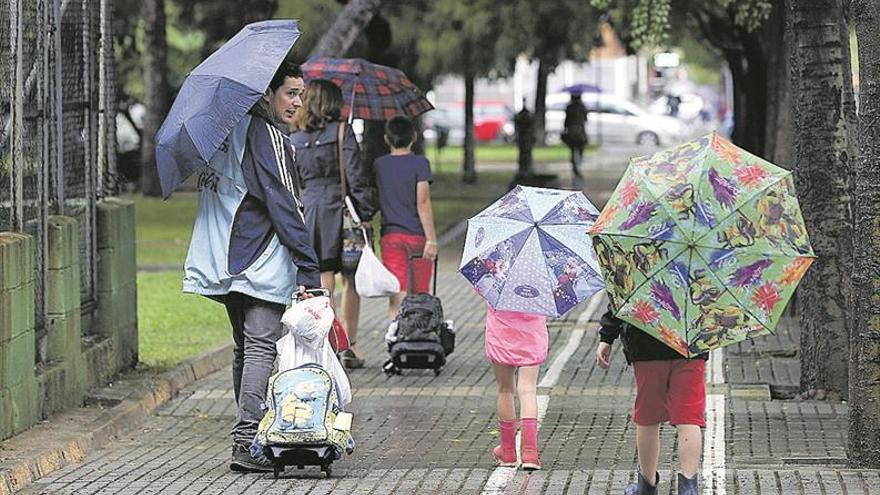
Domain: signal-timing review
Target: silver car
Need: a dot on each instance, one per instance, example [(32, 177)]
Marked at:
[(612, 119)]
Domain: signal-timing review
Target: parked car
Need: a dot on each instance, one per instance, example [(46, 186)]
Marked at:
[(619, 121), (493, 121)]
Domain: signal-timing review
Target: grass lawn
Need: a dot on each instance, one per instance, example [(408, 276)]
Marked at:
[(451, 156), (174, 326)]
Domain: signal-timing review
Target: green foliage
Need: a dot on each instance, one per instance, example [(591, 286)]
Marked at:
[(460, 36), (526, 31), (646, 23), (315, 18)]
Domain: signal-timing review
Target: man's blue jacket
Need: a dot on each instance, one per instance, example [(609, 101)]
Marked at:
[(249, 236)]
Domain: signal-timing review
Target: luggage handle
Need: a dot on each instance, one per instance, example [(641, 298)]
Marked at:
[(410, 277)]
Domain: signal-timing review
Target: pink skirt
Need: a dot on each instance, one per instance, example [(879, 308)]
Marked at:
[(515, 339)]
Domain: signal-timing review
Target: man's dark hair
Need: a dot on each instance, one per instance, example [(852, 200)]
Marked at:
[(400, 132), (287, 69)]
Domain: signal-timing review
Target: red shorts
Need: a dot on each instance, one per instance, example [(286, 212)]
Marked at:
[(396, 248), (670, 390)]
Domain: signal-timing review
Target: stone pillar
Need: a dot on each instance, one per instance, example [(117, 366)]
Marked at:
[(18, 385)]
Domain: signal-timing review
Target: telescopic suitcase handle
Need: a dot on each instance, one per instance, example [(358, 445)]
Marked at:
[(410, 277)]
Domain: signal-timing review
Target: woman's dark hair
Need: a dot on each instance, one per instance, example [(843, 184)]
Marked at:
[(322, 104), (400, 132), (287, 69)]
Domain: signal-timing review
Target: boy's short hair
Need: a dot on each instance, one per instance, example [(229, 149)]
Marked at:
[(400, 132)]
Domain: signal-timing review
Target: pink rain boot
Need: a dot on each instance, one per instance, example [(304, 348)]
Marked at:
[(529, 444), (505, 453)]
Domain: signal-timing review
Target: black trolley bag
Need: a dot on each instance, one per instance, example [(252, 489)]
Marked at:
[(423, 337)]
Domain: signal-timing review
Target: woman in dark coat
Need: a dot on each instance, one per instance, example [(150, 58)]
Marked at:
[(315, 127)]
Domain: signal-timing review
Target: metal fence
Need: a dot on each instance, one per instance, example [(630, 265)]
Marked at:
[(57, 131)]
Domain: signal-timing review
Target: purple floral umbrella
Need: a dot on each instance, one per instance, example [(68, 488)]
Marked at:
[(530, 251)]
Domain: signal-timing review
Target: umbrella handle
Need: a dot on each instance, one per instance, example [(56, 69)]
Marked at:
[(351, 106)]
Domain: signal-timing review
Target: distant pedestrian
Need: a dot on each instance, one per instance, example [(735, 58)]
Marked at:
[(669, 387), (318, 128), (250, 249), (574, 132), (404, 183), (523, 124), (516, 345)]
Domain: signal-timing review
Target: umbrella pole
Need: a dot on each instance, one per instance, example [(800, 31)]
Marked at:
[(351, 107)]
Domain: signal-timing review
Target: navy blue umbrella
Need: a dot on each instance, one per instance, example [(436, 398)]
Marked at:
[(216, 95), (582, 88)]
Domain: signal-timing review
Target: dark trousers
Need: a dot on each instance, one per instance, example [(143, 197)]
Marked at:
[(256, 326)]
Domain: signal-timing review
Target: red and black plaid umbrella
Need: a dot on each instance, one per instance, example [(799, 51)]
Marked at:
[(378, 92)]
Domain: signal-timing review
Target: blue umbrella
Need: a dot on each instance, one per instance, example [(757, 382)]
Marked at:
[(582, 88), (216, 95), (530, 252)]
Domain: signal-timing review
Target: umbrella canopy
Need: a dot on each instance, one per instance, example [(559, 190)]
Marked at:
[(378, 92), (582, 88), (216, 95), (528, 251), (702, 245)]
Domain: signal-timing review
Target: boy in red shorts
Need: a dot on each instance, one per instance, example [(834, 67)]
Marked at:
[(403, 180), (669, 387)]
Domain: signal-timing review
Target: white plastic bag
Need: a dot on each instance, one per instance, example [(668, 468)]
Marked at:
[(306, 325), (372, 279)]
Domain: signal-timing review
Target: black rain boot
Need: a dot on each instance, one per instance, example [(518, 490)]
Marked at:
[(642, 487), (688, 486)]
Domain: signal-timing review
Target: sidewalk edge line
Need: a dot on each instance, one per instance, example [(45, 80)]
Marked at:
[(166, 386)]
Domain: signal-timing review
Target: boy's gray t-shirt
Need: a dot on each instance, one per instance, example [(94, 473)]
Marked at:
[(396, 179)]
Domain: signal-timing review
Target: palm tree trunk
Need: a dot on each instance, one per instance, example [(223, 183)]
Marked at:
[(346, 28), (864, 404), (821, 168), (156, 84)]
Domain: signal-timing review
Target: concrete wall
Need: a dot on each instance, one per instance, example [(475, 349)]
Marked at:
[(29, 392)]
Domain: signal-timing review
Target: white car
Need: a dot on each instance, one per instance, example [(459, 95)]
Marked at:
[(617, 119)]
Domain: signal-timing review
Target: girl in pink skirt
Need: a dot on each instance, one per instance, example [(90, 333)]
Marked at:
[(516, 345)]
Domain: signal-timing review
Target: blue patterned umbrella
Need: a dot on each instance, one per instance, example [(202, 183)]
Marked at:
[(530, 252), (216, 95)]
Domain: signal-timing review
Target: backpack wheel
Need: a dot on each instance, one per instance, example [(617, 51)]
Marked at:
[(437, 371)]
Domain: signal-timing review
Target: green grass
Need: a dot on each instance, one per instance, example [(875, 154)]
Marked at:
[(173, 326), (452, 156), (164, 228)]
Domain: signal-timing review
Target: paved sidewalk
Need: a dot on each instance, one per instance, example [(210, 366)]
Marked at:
[(418, 433)]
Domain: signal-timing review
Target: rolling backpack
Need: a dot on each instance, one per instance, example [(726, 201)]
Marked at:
[(303, 424), (419, 337)]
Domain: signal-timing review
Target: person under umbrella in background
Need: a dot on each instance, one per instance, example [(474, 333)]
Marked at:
[(574, 132), (250, 248), (315, 137)]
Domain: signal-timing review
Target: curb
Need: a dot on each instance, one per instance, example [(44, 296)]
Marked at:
[(58, 448)]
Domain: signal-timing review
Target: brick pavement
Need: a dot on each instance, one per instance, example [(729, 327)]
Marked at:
[(418, 433)]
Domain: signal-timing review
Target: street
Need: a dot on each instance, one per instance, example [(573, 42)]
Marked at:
[(418, 433)]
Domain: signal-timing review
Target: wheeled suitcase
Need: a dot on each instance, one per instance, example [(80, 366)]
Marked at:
[(421, 338)]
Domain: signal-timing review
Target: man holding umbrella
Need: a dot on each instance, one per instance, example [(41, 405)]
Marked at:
[(250, 249)]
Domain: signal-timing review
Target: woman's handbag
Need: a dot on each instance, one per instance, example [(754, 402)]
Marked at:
[(372, 279), (353, 240)]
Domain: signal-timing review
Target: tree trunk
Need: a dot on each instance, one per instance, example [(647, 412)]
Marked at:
[(779, 128), (469, 172), (156, 85), (864, 398), (740, 76), (346, 28), (544, 71), (751, 135), (821, 168)]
